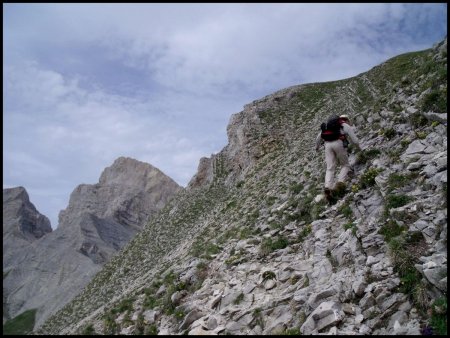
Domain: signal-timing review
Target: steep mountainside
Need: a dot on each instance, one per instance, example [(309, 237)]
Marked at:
[(99, 220), (22, 224), (251, 248)]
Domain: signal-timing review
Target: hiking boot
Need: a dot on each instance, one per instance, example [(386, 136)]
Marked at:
[(327, 193), (339, 189)]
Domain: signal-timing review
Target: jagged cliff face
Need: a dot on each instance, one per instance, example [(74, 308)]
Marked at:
[(20, 217), (251, 248), (22, 225), (99, 220)]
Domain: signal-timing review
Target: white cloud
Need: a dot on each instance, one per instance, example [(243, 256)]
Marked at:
[(256, 50)]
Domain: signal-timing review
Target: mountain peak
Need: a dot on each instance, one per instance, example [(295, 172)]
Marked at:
[(130, 172), (14, 193), (20, 217)]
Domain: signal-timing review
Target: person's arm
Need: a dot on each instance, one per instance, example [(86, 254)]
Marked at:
[(348, 130), (318, 140)]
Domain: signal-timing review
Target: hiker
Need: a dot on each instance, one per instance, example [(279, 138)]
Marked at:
[(334, 134)]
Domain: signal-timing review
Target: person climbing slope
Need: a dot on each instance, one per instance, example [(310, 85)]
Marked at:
[(334, 134)]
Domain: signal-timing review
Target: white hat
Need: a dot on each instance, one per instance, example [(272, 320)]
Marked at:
[(344, 117)]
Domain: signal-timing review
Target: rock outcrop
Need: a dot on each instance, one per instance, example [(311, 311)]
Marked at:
[(22, 225), (20, 217), (251, 248), (99, 220)]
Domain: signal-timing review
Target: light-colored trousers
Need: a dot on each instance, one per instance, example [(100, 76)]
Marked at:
[(334, 153)]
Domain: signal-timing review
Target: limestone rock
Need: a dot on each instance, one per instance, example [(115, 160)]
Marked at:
[(325, 315)]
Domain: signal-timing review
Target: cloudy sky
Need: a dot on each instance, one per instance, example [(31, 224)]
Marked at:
[(84, 84)]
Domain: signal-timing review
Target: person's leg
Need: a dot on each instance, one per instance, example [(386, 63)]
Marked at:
[(342, 156), (330, 159)]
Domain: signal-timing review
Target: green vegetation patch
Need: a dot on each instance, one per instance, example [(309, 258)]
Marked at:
[(346, 210), (88, 330), (310, 95), (436, 101), (203, 248), (21, 324), (396, 68), (365, 155), (295, 331), (396, 181), (389, 133), (110, 327), (352, 226), (308, 211), (391, 229), (417, 120), (239, 299), (268, 245), (123, 306), (296, 188), (405, 251), (396, 201), (266, 115), (268, 275), (317, 210), (439, 316), (307, 229), (367, 179)]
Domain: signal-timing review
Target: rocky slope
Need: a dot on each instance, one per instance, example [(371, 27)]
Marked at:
[(99, 220), (251, 248)]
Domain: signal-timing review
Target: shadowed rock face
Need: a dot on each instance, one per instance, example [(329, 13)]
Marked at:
[(45, 272), (20, 217), (22, 225), (109, 213)]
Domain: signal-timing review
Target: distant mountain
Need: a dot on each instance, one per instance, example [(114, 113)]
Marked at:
[(45, 269), (20, 217), (22, 225), (251, 248)]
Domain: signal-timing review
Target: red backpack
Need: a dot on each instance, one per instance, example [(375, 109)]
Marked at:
[(331, 130)]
